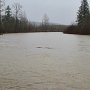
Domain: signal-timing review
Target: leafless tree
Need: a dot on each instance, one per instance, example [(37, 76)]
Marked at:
[(23, 17), (17, 10), (23, 21), (2, 3), (45, 21)]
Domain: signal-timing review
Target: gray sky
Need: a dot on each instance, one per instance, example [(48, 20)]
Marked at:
[(58, 11)]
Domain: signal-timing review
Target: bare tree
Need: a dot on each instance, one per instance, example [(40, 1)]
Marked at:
[(23, 17), (23, 22), (45, 21), (17, 10), (2, 3)]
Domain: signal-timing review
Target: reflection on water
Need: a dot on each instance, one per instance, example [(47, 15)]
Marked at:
[(44, 61)]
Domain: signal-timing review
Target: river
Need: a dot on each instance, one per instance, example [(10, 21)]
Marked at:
[(44, 61)]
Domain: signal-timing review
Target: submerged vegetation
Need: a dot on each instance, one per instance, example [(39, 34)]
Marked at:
[(83, 21)]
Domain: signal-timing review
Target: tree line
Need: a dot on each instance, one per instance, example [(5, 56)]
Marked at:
[(46, 26), (82, 25), (13, 21)]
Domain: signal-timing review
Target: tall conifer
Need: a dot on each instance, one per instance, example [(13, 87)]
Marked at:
[(83, 13)]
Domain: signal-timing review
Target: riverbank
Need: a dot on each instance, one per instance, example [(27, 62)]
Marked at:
[(74, 29)]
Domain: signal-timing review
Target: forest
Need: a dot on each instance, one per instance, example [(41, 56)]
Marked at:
[(13, 21)]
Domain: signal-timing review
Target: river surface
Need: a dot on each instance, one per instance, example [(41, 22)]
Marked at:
[(44, 61)]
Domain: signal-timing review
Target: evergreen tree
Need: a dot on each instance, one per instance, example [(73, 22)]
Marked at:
[(8, 13), (8, 20), (83, 13)]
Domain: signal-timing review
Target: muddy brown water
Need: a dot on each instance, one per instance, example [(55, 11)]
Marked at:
[(44, 61)]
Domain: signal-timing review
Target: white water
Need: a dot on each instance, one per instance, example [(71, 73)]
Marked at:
[(44, 61)]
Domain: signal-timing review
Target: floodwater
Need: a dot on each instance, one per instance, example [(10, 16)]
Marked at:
[(44, 61)]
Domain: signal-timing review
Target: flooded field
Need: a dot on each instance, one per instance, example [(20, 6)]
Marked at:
[(44, 61)]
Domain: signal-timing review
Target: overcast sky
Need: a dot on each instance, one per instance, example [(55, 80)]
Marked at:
[(58, 11)]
